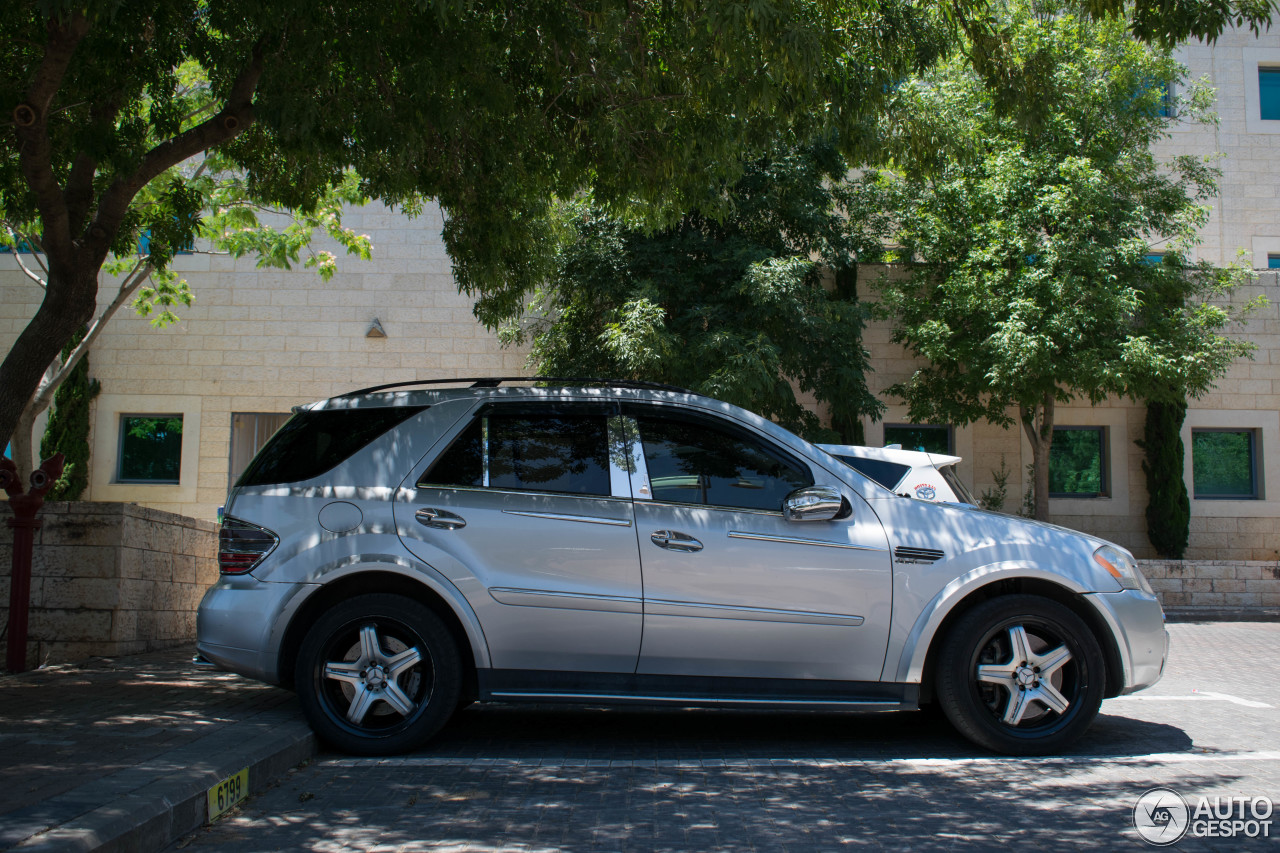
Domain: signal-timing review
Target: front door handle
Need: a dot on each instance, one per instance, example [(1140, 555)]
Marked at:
[(674, 540), (439, 519)]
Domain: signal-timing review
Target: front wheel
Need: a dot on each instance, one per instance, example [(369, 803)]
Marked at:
[(1021, 674), (378, 674)]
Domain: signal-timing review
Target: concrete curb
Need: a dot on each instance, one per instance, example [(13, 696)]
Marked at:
[(159, 801), (1222, 614)]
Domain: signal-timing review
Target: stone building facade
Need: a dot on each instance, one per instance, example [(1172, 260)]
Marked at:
[(258, 342)]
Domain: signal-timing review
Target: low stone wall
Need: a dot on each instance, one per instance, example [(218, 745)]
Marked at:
[(1229, 584), (110, 579)]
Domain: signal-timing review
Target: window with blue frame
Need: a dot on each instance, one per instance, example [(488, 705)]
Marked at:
[(144, 245), (1165, 108), (150, 449), (1153, 258), (1269, 93), (1273, 262)]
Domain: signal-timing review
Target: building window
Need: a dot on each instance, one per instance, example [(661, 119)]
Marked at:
[(249, 431), (1269, 93), (1224, 464), (1078, 463), (150, 449), (1273, 261), (931, 438)]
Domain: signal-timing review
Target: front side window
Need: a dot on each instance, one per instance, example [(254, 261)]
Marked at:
[(698, 461), (1224, 463), (557, 452), (150, 449), (1077, 463), (930, 438), (1273, 261)]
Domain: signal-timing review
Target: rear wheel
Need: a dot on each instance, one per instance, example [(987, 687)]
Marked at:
[(1021, 674), (378, 674)]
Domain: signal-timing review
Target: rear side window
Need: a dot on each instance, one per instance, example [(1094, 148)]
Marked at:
[(887, 474), (311, 443), (563, 452)]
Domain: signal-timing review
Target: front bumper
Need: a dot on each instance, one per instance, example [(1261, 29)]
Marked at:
[(1136, 621)]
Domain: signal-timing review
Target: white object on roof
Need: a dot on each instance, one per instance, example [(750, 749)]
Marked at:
[(910, 473)]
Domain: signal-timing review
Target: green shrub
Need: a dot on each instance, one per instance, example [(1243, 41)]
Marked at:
[(68, 429), (1168, 507)]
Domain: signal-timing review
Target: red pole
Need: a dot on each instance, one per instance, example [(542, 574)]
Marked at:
[(24, 524)]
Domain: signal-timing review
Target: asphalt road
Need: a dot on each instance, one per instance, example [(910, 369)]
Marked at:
[(544, 779)]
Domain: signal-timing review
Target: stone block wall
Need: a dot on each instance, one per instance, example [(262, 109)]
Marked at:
[(110, 579), (1218, 584)]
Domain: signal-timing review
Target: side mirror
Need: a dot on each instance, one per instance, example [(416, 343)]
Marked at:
[(815, 503)]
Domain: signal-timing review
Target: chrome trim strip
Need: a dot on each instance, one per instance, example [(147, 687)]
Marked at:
[(523, 493), (794, 540), (566, 600), (557, 516), (655, 607), (866, 704)]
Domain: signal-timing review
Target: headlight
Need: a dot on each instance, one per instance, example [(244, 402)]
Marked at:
[(1121, 566)]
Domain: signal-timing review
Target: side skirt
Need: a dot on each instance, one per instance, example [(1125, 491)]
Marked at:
[(613, 688)]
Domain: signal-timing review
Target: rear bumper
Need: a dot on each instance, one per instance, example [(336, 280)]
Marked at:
[(238, 625), (1137, 623)]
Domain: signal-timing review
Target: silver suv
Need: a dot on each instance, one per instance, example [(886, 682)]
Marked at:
[(393, 554)]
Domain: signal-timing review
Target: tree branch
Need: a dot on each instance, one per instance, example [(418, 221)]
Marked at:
[(29, 273), (35, 152), (78, 194), (55, 375), (235, 116)]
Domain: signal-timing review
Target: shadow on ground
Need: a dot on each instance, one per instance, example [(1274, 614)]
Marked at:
[(514, 732)]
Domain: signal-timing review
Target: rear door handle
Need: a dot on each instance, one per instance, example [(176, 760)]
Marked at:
[(674, 540), (439, 519)]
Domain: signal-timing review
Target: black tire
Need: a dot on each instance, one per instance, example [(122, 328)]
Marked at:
[(1020, 642), (378, 675)]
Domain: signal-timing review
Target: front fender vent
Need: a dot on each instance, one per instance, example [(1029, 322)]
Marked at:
[(916, 555)]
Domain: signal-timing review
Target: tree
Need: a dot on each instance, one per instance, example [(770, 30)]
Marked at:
[(1027, 241), (738, 309), (490, 108)]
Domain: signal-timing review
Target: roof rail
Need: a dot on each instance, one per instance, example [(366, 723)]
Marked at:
[(495, 381)]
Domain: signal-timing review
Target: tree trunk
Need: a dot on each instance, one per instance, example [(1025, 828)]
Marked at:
[(1037, 423), (69, 303), (23, 443)]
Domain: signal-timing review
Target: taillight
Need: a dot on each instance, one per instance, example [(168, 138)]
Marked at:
[(242, 546)]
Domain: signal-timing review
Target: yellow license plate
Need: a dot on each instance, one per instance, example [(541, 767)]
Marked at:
[(227, 793)]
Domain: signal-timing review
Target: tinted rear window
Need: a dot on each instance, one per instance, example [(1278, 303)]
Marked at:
[(887, 474), (311, 443), (556, 452)]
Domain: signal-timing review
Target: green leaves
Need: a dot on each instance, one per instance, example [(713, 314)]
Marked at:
[(743, 309), (1027, 236)]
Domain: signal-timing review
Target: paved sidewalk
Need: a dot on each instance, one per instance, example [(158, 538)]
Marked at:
[(118, 754)]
